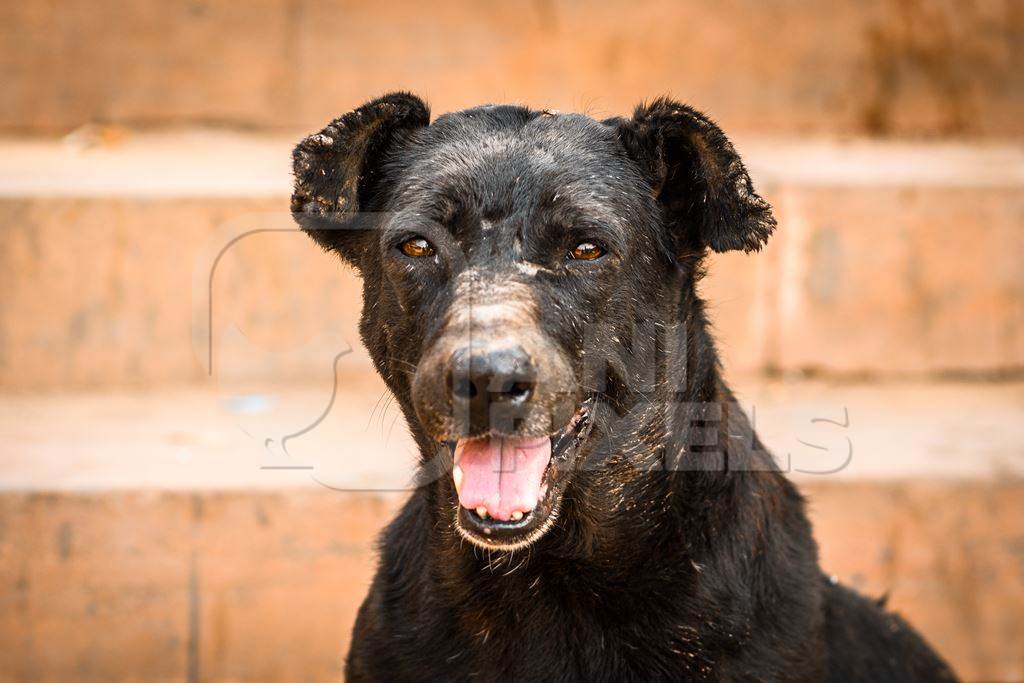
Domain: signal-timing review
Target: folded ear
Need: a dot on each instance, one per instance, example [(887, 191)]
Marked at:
[(338, 170), (698, 177)]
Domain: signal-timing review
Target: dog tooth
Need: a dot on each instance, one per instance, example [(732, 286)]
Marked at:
[(482, 512), (457, 476), (517, 515)]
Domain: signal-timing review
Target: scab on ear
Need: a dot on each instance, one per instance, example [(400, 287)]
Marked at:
[(337, 168), (698, 176)]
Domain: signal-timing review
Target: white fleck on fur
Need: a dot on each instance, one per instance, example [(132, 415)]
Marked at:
[(531, 269)]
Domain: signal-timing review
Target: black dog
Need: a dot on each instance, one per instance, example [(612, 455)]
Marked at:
[(594, 506)]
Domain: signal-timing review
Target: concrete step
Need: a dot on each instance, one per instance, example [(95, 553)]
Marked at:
[(161, 535), (264, 586), (181, 509), (761, 67), (891, 259), (347, 433)]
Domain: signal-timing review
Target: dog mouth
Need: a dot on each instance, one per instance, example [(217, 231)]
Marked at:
[(509, 489)]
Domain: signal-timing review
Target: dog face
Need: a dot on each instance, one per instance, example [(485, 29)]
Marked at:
[(525, 275)]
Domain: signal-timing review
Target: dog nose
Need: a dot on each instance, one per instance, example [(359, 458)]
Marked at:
[(485, 382)]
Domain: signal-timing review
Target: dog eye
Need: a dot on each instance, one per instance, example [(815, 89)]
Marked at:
[(416, 247), (586, 251)]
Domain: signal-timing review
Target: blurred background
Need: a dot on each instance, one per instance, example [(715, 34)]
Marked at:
[(195, 453)]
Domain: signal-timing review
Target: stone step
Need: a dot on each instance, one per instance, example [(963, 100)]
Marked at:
[(347, 433), (176, 586), (760, 67), (174, 534), (891, 259)]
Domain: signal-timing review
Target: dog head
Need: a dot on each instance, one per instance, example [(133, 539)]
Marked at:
[(526, 275)]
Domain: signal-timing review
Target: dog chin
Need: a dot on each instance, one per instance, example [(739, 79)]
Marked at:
[(509, 490)]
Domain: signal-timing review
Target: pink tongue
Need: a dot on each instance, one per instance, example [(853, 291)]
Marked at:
[(502, 475)]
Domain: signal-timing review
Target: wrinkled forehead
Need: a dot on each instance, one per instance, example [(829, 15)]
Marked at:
[(506, 160)]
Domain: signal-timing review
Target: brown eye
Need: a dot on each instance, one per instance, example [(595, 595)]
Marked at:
[(586, 251), (417, 247)]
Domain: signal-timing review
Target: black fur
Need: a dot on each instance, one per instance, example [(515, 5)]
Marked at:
[(673, 556)]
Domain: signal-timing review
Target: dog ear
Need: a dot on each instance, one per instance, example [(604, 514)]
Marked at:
[(698, 177), (337, 171)]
